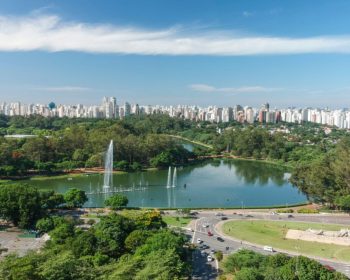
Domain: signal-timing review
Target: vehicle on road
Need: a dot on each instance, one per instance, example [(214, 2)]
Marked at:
[(268, 249), (199, 241), (249, 216), (326, 266), (212, 251), (209, 258), (290, 216), (223, 218), (220, 239), (219, 214), (210, 233), (205, 225)]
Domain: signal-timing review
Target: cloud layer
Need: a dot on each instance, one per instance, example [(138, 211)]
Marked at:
[(245, 89), (51, 33)]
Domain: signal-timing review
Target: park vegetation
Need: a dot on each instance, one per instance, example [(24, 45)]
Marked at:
[(318, 158), (66, 144), (23, 205), (249, 265), (130, 245)]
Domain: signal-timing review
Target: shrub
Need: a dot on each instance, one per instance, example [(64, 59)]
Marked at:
[(307, 211)]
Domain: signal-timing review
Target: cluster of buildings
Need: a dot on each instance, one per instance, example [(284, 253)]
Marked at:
[(111, 110)]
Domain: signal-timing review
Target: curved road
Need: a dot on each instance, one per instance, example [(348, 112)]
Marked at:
[(208, 221)]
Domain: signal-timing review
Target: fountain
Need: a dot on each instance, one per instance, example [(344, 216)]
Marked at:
[(174, 178), (108, 174), (168, 185)]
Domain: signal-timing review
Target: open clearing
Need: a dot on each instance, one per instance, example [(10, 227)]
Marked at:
[(176, 221), (273, 233)]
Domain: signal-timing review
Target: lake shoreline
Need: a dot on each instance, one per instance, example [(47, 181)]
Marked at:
[(100, 170)]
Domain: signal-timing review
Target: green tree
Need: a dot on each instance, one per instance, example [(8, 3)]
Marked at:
[(75, 198), (343, 202), (20, 204), (85, 243), (111, 233), (219, 255), (136, 238), (13, 267), (243, 258), (117, 201), (248, 273), (45, 225)]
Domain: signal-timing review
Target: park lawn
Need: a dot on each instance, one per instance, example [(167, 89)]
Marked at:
[(176, 221), (272, 233), (62, 176)]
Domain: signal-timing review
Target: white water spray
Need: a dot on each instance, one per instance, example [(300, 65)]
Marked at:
[(174, 178), (108, 175)]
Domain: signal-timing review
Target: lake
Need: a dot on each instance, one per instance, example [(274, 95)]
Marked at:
[(214, 183)]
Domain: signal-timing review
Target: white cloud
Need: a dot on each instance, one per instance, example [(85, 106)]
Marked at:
[(245, 89), (51, 33), (69, 89)]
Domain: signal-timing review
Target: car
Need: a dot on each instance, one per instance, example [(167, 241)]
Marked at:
[(210, 233), (199, 241), (209, 258), (205, 225), (212, 251), (223, 218), (249, 216), (328, 267), (268, 249), (219, 214), (290, 216), (220, 239)]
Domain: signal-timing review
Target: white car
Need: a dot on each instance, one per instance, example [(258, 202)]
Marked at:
[(209, 258), (199, 241), (205, 225), (268, 248)]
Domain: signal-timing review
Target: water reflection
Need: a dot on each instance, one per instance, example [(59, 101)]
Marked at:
[(214, 183)]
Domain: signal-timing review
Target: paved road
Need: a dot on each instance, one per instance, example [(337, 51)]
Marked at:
[(207, 220)]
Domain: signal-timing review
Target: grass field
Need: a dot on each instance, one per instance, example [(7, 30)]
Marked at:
[(273, 233), (172, 221)]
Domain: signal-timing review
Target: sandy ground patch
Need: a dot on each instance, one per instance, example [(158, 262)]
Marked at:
[(21, 246), (309, 236)]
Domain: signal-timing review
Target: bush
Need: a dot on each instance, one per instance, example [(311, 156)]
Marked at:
[(285, 211), (45, 225), (219, 256), (117, 201), (307, 211)]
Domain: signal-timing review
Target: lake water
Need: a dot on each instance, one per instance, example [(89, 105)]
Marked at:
[(215, 183)]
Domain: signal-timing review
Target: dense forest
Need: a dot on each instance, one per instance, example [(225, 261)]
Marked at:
[(65, 144)]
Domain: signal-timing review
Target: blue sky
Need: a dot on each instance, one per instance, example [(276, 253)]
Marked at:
[(289, 53)]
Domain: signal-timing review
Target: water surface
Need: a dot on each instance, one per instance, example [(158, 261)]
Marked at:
[(216, 183)]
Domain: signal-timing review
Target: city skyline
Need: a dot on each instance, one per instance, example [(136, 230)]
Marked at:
[(171, 52), (111, 109)]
